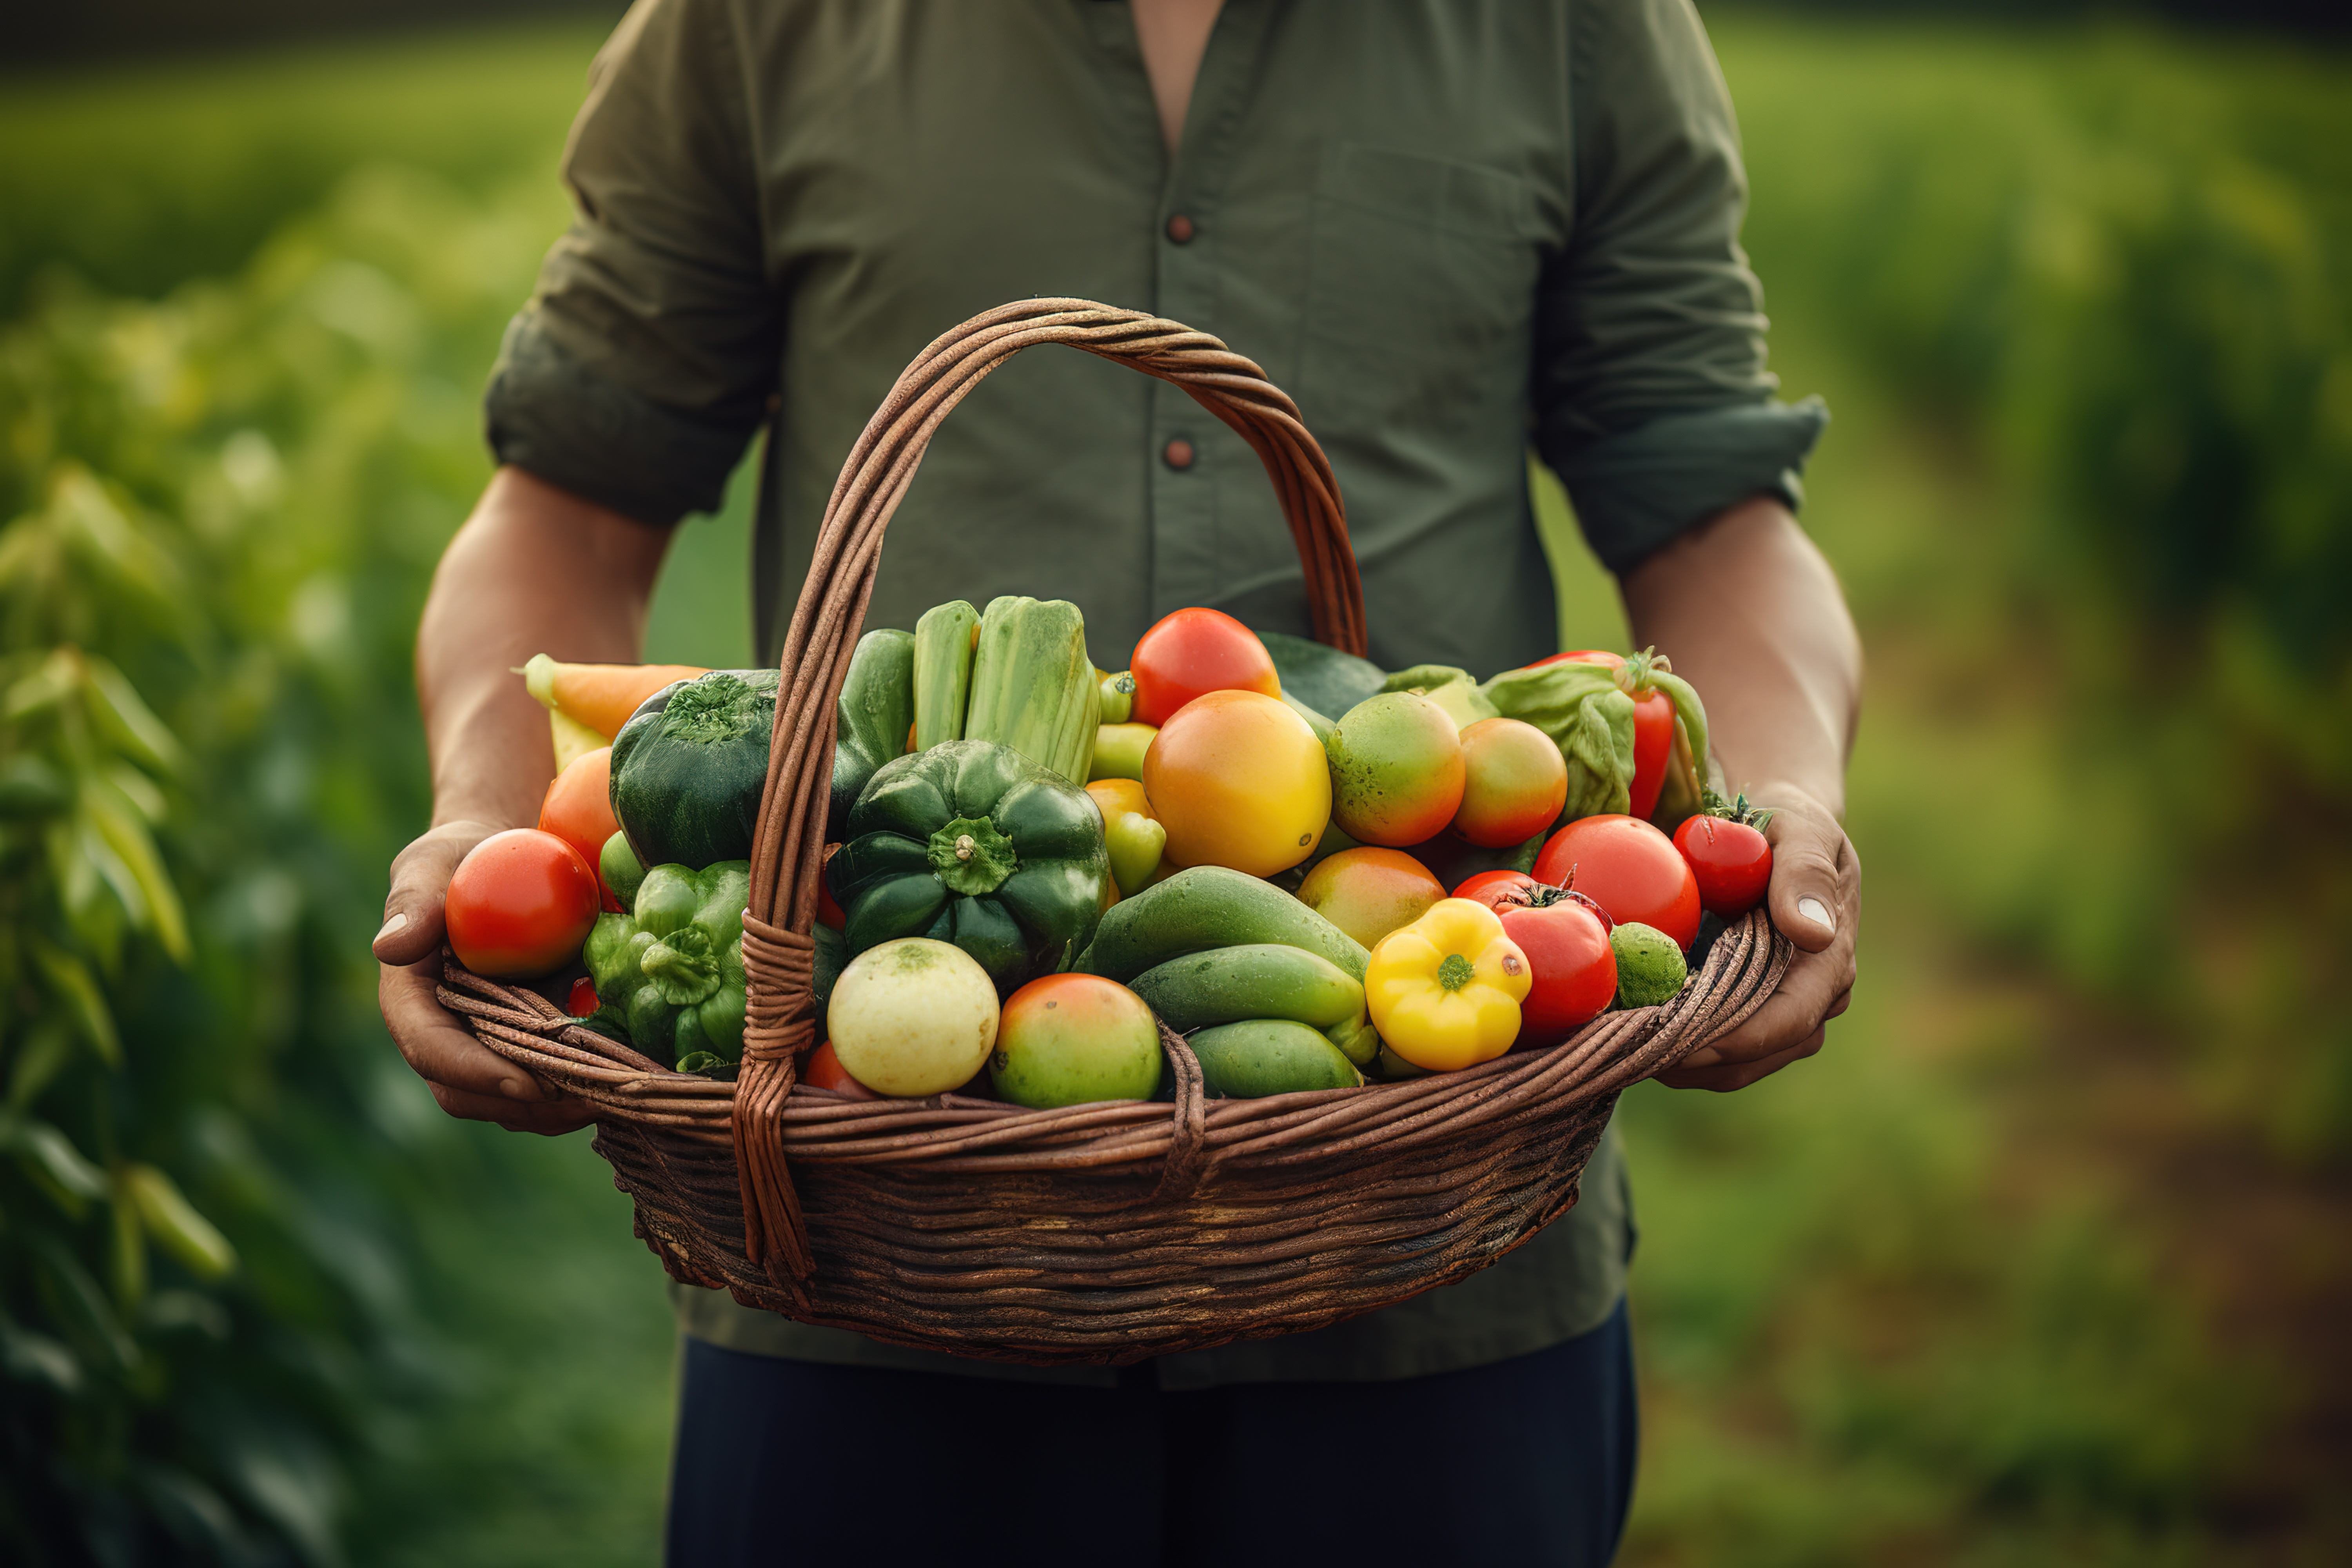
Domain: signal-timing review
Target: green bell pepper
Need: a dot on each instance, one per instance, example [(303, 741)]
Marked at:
[(973, 844), (671, 973)]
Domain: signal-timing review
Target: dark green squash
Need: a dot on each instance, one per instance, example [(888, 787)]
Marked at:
[(1324, 679), (876, 709), (690, 766)]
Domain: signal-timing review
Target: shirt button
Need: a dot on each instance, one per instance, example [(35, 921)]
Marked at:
[(1178, 453), (1180, 229)]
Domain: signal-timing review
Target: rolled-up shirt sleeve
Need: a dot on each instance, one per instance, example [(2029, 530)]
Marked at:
[(1650, 396), (647, 354)]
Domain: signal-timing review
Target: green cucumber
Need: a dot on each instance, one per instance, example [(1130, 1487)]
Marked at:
[(1269, 1056), (943, 642), (1206, 907), (877, 704), (1257, 979), (1322, 678)]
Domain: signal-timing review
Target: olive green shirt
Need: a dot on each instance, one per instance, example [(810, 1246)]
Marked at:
[(1447, 228)]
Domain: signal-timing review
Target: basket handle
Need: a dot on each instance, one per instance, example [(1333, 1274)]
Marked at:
[(790, 845)]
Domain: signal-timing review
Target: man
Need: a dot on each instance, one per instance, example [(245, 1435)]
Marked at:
[(1445, 229)]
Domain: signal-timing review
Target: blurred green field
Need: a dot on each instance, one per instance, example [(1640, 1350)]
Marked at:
[(2040, 1262)]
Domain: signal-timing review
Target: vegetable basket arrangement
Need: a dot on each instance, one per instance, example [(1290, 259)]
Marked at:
[(944, 987)]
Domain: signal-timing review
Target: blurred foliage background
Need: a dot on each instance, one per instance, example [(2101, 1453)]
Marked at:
[(2040, 1262)]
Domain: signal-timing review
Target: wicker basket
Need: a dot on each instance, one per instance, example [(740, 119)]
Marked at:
[(1102, 1232)]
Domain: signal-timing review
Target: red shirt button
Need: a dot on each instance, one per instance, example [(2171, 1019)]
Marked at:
[(1180, 229), (1178, 454)]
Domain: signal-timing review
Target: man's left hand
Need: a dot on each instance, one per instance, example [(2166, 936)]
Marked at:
[(1816, 901)]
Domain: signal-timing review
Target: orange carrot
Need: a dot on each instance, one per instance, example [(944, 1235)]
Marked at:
[(600, 696)]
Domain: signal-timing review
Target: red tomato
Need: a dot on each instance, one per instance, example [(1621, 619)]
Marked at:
[(823, 1070), (1195, 652), (1731, 860), (520, 905), (579, 810), (1629, 868), (580, 1000), (1574, 968), (1498, 890), (1653, 729)]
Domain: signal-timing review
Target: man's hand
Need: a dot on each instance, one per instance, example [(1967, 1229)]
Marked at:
[(535, 570), (1816, 901), (467, 1076), (1751, 615)]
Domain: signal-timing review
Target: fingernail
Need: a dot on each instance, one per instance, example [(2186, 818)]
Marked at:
[(1705, 1056), (518, 1088), (397, 922), (1818, 912)]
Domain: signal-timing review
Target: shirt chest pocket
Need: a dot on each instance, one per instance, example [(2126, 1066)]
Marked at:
[(1420, 296)]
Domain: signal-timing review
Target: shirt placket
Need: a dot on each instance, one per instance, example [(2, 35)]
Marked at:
[(1190, 457)]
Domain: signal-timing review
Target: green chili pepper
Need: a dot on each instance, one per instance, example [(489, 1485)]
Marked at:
[(1135, 842), (671, 973), (1118, 697)]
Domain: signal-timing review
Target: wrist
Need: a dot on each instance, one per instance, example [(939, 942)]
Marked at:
[(1786, 794)]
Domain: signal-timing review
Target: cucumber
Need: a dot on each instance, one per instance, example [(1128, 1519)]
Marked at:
[(1206, 907), (877, 704), (1033, 685), (1322, 678), (943, 642), (1269, 1056), (1257, 979)]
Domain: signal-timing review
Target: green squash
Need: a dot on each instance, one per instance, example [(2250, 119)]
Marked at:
[(690, 766)]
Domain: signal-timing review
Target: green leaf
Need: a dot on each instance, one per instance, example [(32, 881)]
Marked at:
[(30, 1357), (177, 1225), (128, 1254), (117, 819), (74, 1292), (31, 785), (40, 1057), (70, 980), (119, 712), (40, 1144), (56, 679)]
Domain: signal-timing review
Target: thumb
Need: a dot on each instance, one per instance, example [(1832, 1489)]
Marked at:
[(1810, 854), (413, 923)]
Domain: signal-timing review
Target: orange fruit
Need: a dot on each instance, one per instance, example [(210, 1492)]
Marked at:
[(1369, 893), (1396, 770), (1514, 782), (1238, 780)]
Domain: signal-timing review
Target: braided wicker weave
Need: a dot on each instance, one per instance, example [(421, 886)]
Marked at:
[(1096, 1233)]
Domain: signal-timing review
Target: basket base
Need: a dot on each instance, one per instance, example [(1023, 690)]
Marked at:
[(1241, 1258)]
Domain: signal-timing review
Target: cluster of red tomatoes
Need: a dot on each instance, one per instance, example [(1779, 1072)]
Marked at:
[(1600, 872)]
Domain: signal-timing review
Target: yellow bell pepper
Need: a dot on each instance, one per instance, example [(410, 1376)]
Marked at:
[(1444, 992)]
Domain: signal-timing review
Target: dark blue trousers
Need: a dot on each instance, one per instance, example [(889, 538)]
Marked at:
[(1527, 1462)]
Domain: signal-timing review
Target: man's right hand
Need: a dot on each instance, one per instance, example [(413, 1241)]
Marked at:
[(536, 569), (467, 1076)]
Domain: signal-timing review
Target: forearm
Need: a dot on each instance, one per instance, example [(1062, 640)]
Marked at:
[(534, 570), (1751, 615)]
